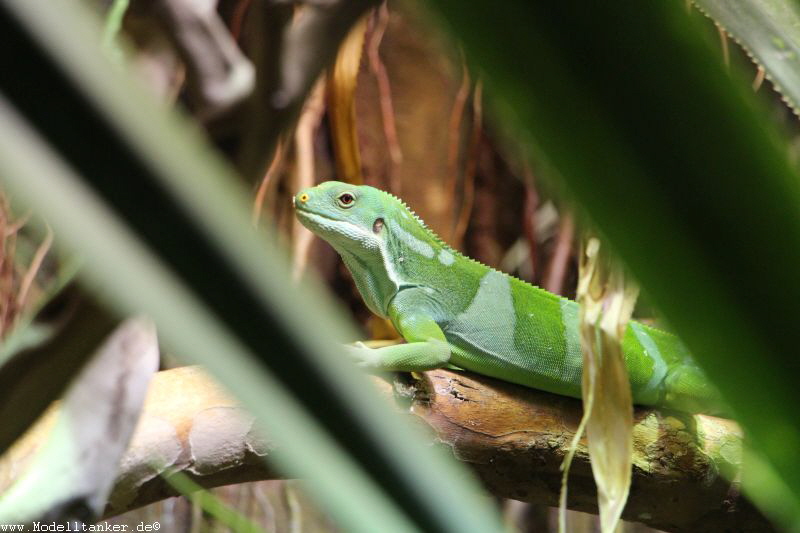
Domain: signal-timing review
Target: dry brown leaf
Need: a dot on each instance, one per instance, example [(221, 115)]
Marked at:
[(341, 104), (607, 301), (90, 433)]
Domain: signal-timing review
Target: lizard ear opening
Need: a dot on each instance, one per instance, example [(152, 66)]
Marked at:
[(377, 226)]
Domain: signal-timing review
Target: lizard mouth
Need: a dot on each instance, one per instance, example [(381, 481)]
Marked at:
[(325, 222), (302, 210), (315, 217), (330, 228)]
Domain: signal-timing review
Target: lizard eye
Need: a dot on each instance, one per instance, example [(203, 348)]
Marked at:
[(346, 199)]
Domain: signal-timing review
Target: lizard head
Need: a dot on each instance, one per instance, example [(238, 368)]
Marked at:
[(351, 219), (383, 243), (347, 216)]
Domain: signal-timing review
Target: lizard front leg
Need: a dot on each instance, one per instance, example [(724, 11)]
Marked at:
[(425, 348)]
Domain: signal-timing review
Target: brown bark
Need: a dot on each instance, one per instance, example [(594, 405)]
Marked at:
[(188, 424), (514, 438)]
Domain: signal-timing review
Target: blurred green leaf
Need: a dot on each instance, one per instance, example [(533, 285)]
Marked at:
[(111, 28), (211, 505), (164, 229), (679, 168)]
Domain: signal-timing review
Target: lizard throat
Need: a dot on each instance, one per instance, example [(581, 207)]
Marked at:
[(365, 253)]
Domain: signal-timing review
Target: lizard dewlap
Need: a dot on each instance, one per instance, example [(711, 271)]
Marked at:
[(453, 310)]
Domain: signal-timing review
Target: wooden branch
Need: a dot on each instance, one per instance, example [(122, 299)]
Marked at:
[(513, 438), (191, 425), (516, 438)]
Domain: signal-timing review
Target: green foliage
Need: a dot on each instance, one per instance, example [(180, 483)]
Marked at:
[(211, 505), (625, 103), (164, 230), (112, 26), (678, 167), (769, 31)]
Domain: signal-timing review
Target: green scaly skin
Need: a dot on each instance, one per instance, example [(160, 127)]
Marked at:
[(454, 311)]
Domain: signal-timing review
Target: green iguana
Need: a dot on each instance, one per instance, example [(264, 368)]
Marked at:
[(455, 311)]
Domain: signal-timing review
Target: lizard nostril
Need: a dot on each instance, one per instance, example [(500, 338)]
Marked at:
[(303, 198)]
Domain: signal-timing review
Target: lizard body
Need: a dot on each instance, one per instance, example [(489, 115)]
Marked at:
[(455, 311)]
